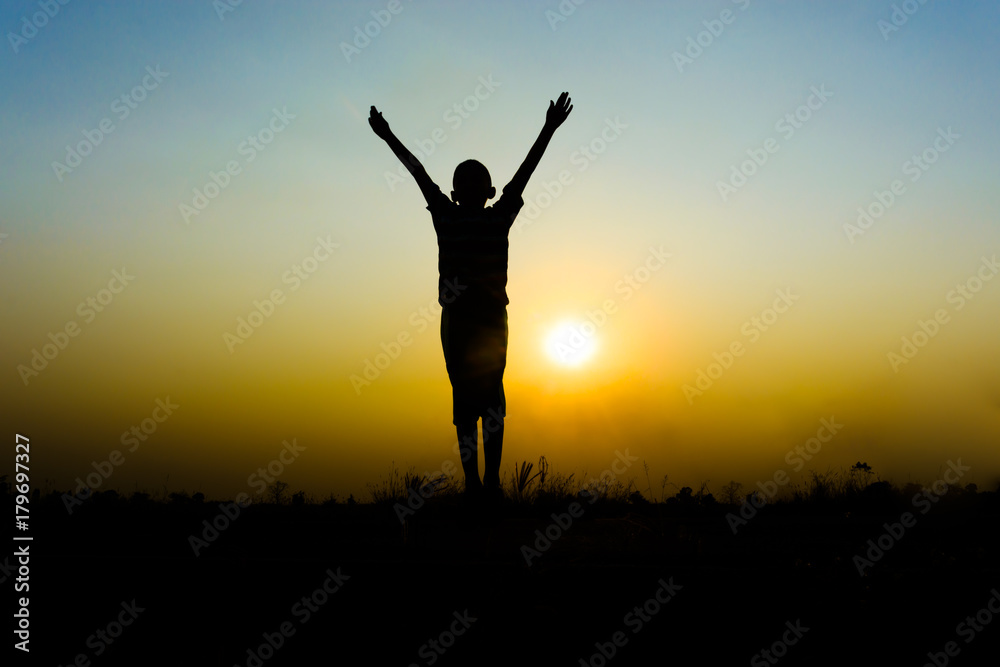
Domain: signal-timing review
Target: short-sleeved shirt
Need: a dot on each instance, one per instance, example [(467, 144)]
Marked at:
[(472, 251)]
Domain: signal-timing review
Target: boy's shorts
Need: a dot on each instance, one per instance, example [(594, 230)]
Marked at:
[(475, 353)]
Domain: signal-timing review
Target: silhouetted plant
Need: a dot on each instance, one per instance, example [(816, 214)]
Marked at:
[(557, 486), (821, 487), (859, 477), (396, 487), (434, 485), (755, 498), (663, 487), (637, 499), (522, 479), (413, 482), (703, 498), (732, 493), (609, 490), (106, 497), (277, 491)]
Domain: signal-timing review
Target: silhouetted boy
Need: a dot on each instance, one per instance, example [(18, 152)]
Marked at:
[(472, 266)]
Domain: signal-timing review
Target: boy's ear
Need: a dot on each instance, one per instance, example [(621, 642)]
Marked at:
[(453, 197), (493, 193)]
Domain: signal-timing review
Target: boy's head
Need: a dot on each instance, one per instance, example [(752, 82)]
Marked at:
[(472, 183)]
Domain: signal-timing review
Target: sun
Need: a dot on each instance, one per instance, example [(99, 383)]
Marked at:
[(571, 344)]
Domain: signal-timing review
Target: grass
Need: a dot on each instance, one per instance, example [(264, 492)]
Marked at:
[(536, 485), (529, 484)]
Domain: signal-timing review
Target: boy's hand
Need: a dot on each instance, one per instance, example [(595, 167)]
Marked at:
[(409, 160), (554, 117), (378, 123), (558, 111)]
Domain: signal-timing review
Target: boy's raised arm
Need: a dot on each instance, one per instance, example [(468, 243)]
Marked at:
[(554, 117), (409, 160)]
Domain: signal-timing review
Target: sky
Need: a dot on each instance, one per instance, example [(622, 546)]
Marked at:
[(764, 241)]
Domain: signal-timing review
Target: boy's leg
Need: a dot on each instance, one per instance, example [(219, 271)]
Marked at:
[(493, 419), (493, 449), (454, 342), (468, 449)]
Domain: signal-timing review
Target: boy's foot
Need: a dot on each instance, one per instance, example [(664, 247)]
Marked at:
[(473, 493), (494, 494)]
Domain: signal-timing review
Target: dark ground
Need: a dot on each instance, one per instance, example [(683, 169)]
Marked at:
[(791, 563)]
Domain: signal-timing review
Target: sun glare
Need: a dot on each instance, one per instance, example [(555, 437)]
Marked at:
[(571, 344)]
